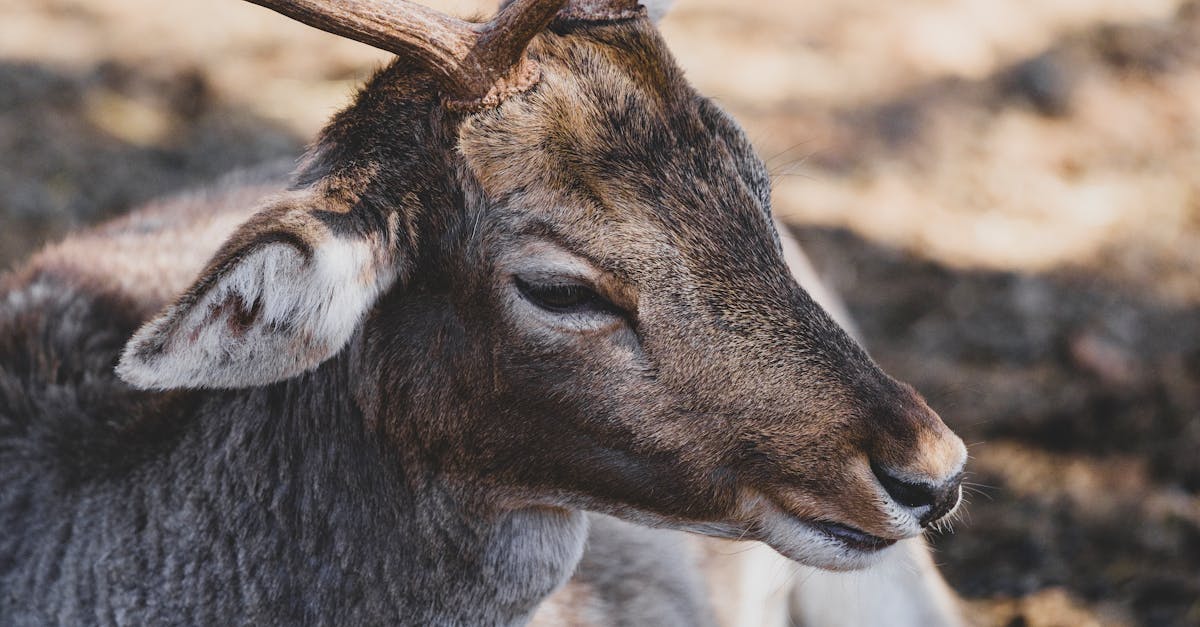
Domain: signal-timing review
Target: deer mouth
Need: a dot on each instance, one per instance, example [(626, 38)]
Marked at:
[(813, 540), (851, 537)]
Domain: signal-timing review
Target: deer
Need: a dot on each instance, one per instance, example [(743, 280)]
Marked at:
[(526, 282)]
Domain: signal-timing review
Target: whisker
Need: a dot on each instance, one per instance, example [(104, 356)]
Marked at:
[(774, 158)]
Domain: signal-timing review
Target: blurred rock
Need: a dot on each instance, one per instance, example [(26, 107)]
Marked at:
[(1045, 82)]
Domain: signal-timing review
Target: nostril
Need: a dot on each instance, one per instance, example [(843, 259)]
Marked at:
[(946, 501), (904, 492)]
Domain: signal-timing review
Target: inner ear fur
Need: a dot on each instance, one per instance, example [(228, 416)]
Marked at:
[(282, 295)]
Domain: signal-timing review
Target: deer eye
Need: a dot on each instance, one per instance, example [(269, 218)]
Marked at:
[(564, 297)]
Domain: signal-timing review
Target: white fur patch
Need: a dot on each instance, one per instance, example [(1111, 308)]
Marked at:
[(271, 317), (657, 9)]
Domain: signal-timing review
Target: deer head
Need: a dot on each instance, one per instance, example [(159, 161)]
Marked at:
[(550, 267)]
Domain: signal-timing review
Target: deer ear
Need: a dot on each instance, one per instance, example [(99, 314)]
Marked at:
[(283, 294)]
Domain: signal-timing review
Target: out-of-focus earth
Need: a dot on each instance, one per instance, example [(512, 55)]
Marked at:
[(1006, 192)]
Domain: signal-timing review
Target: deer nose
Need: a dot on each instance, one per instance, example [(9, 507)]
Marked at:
[(936, 500)]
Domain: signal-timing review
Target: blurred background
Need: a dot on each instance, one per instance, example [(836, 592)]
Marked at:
[(1006, 192)]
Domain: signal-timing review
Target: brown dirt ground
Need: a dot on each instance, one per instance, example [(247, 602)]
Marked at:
[(1007, 192)]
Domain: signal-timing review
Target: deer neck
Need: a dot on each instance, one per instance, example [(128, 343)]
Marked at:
[(346, 526)]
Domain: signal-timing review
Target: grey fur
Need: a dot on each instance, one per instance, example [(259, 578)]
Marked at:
[(273, 506)]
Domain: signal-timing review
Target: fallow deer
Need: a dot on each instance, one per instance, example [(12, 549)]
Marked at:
[(528, 273)]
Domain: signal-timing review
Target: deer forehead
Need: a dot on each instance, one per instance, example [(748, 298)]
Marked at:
[(613, 133), (604, 109)]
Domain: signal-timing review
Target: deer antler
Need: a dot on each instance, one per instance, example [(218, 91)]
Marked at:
[(479, 64)]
